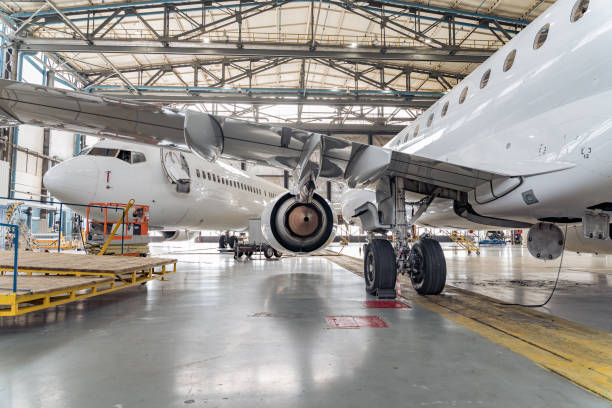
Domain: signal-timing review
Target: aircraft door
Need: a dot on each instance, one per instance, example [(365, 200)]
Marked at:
[(177, 170)]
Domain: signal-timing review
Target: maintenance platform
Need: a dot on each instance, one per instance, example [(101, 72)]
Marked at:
[(51, 279)]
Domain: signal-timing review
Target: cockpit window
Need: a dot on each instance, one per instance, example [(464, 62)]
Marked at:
[(138, 157), (84, 152), (125, 155), (102, 151)]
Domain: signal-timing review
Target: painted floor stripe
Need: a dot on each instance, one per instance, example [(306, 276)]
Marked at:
[(579, 353)]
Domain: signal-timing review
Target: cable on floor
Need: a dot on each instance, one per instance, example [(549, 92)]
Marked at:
[(556, 280)]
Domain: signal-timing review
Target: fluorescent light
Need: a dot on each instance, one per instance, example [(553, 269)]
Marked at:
[(205, 40), (428, 40), (353, 45)]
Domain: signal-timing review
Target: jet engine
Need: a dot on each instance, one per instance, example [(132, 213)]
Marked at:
[(299, 228), (178, 235)]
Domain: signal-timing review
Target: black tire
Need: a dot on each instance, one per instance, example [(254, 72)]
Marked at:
[(268, 252), (232, 241), (379, 266), (430, 264), (277, 254), (249, 254), (222, 242)]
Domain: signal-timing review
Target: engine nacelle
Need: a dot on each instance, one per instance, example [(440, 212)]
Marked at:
[(299, 228), (178, 235)]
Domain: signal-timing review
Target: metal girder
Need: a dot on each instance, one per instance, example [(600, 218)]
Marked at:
[(405, 54), (235, 60), (277, 100), (411, 9)]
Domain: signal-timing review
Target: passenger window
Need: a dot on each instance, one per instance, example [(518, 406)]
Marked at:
[(198, 173), (509, 61), (430, 120), (214, 178), (416, 132), (463, 95), (125, 155), (580, 8), (485, 79), (138, 157), (445, 109), (541, 37), (208, 173)]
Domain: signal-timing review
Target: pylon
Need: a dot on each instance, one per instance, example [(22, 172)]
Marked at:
[(398, 288)]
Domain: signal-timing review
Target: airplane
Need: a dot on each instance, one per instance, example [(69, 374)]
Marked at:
[(183, 191), (524, 141)]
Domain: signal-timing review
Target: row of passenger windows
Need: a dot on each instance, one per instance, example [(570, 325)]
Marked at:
[(232, 183), (578, 11)]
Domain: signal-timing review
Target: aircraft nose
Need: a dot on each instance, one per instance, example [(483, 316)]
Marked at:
[(73, 181)]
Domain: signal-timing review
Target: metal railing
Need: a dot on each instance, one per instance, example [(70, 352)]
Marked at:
[(16, 245), (61, 211)]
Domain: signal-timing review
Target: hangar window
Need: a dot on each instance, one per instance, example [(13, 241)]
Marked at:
[(430, 120), (463, 95), (485, 79), (509, 61), (541, 37), (102, 151), (445, 109), (197, 173), (580, 8), (416, 131)]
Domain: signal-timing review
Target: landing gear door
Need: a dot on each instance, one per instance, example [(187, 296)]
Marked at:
[(177, 170)]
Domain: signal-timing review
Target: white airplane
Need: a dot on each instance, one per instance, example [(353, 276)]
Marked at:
[(183, 191), (524, 141)]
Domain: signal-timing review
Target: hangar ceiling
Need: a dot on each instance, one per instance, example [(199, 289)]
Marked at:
[(320, 61)]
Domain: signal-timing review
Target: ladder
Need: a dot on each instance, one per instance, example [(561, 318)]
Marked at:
[(462, 241), (14, 216)]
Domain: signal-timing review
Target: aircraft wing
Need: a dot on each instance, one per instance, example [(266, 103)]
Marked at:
[(211, 136)]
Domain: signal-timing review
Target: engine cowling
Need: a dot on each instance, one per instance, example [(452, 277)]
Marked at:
[(178, 235), (299, 228)]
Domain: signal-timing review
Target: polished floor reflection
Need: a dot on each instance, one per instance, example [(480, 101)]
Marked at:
[(223, 333), (510, 274)]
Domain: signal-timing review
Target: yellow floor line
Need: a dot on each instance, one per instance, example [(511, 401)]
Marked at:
[(579, 353)]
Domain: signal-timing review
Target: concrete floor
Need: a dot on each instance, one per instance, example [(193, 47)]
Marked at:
[(510, 274), (253, 334)]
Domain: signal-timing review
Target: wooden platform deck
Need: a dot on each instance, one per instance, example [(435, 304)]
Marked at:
[(47, 284), (51, 279), (46, 262)]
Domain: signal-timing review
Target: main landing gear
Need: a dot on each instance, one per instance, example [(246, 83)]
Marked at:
[(225, 240), (424, 263)]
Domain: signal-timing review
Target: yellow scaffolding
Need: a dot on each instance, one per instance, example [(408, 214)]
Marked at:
[(25, 301), (462, 242)]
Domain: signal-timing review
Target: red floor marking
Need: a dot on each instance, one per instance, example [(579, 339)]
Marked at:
[(385, 304), (355, 322)]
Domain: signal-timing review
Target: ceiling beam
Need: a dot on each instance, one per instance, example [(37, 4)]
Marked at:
[(406, 54)]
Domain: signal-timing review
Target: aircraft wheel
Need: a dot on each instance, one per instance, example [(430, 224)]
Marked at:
[(232, 241), (222, 242), (379, 266), (238, 254), (249, 254), (268, 252), (428, 267), (277, 254)]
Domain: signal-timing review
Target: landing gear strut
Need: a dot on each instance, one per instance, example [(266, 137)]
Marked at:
[(423, 262)]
